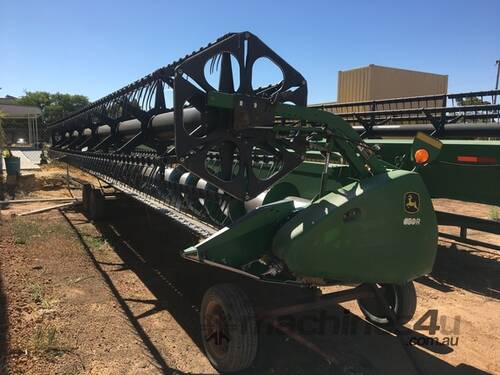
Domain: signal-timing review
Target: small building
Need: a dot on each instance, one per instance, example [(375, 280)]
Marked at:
[(19, 122), (374, 82)]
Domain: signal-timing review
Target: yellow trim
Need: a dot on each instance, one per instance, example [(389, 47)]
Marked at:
[(429, 140)]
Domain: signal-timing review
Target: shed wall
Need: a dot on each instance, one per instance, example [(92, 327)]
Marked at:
[(375, 82)]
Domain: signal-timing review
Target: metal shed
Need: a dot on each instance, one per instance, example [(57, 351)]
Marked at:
[(375, 82), (28, 115)]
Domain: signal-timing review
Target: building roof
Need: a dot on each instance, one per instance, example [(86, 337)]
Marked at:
[(391, 68), (9, 99), (20, 111)]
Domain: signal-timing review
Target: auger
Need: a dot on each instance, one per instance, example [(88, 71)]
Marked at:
[(279, 192)]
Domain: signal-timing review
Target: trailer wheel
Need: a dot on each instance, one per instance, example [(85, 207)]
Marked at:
[(96, 204), (229, 328), (86, 191), (402, 300)]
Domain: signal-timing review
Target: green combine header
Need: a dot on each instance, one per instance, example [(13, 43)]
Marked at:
[(277, 191)]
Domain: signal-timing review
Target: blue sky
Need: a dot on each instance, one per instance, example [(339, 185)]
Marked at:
[(94, 47)]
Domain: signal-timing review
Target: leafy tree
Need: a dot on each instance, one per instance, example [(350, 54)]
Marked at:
[(53, 106), (472, 100), (2, 134)]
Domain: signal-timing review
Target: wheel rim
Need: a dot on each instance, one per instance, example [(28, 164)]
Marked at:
[(372, 308), (216, 330)]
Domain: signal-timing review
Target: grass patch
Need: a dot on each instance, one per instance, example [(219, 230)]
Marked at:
[(49, 304), (24, 230), (94, 242), (495, 213), (35, 291), (59, 228), (45, 341), (37, 295)]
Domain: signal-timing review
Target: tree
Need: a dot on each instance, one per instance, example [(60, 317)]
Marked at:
[(2, 134), (471, 100), (53, 106)]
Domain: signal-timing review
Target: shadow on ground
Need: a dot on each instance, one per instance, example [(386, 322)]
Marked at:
[(467, 267), (149, 245)]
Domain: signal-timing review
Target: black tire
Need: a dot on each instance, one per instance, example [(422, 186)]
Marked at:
[(86, 191), (228, 328), (402, 299), (96, 204)]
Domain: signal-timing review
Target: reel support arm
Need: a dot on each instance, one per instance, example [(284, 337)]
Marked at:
[(338, 133)]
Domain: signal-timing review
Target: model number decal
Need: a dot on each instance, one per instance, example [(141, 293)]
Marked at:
[(411, 221)]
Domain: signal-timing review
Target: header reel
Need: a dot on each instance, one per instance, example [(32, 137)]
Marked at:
[(234, 150), (240, 139)]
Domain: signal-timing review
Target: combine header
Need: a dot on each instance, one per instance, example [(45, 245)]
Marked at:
[(279, 192)]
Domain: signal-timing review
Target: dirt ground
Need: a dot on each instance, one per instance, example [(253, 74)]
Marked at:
[(114, 297)]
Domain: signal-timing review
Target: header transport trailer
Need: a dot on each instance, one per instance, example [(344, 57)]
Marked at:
[(277, 191)]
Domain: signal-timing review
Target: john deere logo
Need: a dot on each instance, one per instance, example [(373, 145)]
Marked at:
[(412, 203)]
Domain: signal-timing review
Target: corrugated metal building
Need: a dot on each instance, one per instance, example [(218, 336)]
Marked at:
[(375, 82)]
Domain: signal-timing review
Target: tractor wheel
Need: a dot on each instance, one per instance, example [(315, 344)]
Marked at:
[(96, 204), (86, 191), (229, 328), (402, 300)]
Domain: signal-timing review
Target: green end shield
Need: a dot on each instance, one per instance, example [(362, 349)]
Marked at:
[(382, 229)]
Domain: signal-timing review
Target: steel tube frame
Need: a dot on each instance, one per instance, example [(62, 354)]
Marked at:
[(325, 300)]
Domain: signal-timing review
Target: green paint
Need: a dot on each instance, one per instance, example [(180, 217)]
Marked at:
[(446, 177), (372, 245), (359, 231), (245, 240)]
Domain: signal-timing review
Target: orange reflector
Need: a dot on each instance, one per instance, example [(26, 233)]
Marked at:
[(421, 156), (477, 159)]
